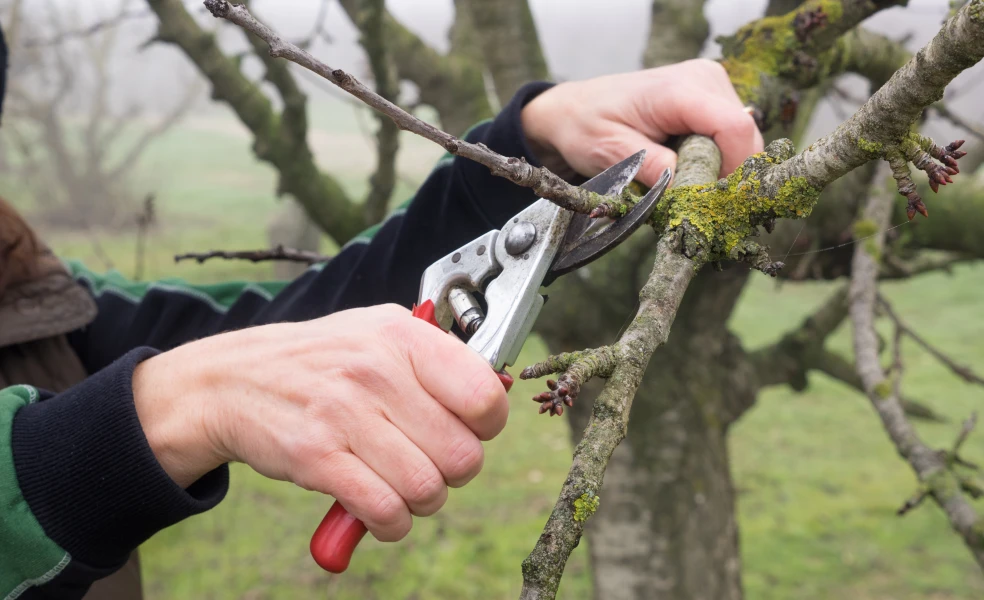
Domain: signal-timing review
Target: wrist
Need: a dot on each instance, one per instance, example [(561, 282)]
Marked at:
[(174, 422)]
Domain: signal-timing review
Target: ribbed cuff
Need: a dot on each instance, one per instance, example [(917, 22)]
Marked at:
[(90, 477), (498, 198)]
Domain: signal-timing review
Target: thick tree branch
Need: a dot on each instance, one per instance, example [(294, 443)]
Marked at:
[(885, 120), (628, 357), (778, 184), (540, 180), (678, 31), (930, 466)]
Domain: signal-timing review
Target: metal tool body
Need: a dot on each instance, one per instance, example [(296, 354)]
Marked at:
[(507, 267)]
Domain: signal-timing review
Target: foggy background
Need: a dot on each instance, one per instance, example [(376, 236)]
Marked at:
[(580, 38)]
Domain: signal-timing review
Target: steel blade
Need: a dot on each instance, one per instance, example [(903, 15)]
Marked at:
[(609, 182), (596, 246)]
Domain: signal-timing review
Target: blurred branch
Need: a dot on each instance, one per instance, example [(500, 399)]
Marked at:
[(837, 367), (509, 45), (678, 30), (279, 139), (453, 84), (930, 467), (543, 182), (961, 371), (894, 267), (131, 156), (277, 253), (88, 31), (370, 20), (972, 128), (319, 31)]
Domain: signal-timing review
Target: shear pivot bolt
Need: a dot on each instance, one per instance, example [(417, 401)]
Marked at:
[(520, 238)]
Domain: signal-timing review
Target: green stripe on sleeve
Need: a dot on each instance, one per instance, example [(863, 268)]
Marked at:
[(27, 556), (220, 296)]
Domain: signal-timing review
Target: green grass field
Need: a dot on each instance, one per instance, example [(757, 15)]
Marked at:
[(818, 480)]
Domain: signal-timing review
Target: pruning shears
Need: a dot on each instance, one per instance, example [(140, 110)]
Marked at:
[(507, 267)]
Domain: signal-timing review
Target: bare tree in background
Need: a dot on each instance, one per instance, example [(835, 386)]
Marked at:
[(666, 521), (67, 142)]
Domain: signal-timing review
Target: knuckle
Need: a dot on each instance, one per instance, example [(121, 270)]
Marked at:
[(310, 463), (392, 516), (487, 394), (712, 66), (746, 124), (425, 486), (464, 461)]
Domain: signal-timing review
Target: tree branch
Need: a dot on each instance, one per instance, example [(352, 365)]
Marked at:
[(452, 84), (626, 361), (276, 140), (930, 466), (677, 32), (278, 253), (370, 20), (544, 183), (510, 46), (959, 370)]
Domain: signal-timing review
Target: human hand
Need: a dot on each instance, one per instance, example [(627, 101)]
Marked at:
[(591, 125), (376, 408)]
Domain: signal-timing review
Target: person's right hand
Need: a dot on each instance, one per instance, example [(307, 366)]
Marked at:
[(590, 125), (376, 408)]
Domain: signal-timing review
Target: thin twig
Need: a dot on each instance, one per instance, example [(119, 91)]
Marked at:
[(971, 128), (542, 181), (278, 253), (961, 371)]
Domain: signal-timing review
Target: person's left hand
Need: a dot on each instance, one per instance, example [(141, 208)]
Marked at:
[(591, 125)]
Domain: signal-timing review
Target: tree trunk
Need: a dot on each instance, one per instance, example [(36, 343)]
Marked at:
[(678, 31), (509, 42), (673, 482)]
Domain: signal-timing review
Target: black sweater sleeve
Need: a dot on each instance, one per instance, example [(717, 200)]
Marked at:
[(82, 462)]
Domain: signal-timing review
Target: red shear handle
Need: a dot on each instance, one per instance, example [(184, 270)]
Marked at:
[(335, 539)]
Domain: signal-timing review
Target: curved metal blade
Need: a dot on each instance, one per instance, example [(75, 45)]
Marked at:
[(609, 182), (590, 249)]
